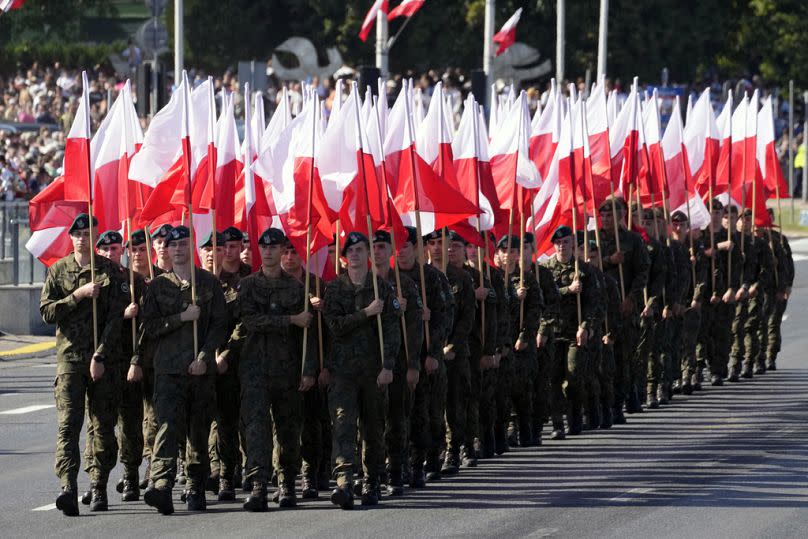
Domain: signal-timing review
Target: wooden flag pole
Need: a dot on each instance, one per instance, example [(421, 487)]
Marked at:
[(85, 99)]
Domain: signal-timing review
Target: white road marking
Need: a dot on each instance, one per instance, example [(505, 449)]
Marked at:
[(49, 507), (630, 494), (799, 258), (28, 409)]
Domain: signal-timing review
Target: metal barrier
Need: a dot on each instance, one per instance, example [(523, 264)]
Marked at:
[(15, 260)]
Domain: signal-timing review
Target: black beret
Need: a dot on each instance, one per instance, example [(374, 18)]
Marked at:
[(245, 238), (529, 237), (209, 240), (110, 237), (503, 242), (731, 208), (747, 212), (81, 222), (454, 236), (648, 214), (412, 235), (232, 233), (136, 237), (161, 232), (717, 204), (382, 236), (606, 205), (434, 235), (272, 236), (352, 239), (561, 232), (678, 217), (178, 233)]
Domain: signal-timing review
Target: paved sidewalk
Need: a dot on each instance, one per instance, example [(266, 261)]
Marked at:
[(25, 346)]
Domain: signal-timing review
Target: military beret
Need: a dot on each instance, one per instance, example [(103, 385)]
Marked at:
[(382, 236), (606, 205), (561, 232), (679, 217), (272, 236), (593, 245), (454, 236), (81, 222), (412, 235), (717, 204), (178, 233), (245, 238), (110, 237), (232, 233), (434, 235), (220, 239), (648, 214), (352, 239), (731, 208), (529, 237), (136, 237), (634, 207), (161, 232), (504, 242), (747, 212)]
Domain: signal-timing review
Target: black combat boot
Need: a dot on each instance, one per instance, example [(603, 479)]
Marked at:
[(212, 483), (182, 478), (593, 417), (343, 496), (432, 468), (746, 372), (286, 495), (119, 486), (535, 433), (87, 496), (395, 483), (575, 422), (131, 490), (99, 500), (468, 457), (227, 490), (525, 434), (487, 444), (451, 464), (760, 367), (558, 429), (160, 499), (606, 420), (500, 440), (771, 364), (617, 415), (716, 380), (417, 478), (196, 500), (662, 394), (257, 501), (68, 501), (309, 488), (144, 484), (371, 493), (734, 374)]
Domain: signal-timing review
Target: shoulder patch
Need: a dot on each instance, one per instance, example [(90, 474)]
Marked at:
[(419, 302), (396, 304), (125, 287), (492, 294)]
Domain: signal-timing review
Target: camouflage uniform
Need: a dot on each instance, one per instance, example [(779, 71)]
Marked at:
[(697, 287), (354, 395), (543, 398), (749, 271), (606, 368), (775, 301), (184, 405), (647, 368), (270, 370), (572, 368), (492, 429), (430, 391), (74, 390)]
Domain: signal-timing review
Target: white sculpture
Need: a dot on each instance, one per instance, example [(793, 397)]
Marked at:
[(306, 54)]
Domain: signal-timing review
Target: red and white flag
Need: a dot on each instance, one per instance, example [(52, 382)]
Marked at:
[(701, 140), (726, 130), (370, 18), (50, 215), (78, 159), (407, 8), (597, 123), (507, 34), (8, 5), (774, 185), (652, 171), (545, 130), (624, 139), (229, 165)]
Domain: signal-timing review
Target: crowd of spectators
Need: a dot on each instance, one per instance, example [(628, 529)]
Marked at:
[(39, 102)]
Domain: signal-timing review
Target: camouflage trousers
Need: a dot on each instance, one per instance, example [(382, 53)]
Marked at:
[(458, 397), (522, 391), (149, 419), (263, 397), (487, 403), (130, 427), (503, 393), (184, 406), (542, 385), (670, 350), (715, 337), (315, 439), (594, 384), (624, 348), (473, 413), (75, 393), (223, 441), (643, 365), (399, 404), (774, 339), (738, 349), (688, 337), (356, 401), (606, 371), (574, 364)]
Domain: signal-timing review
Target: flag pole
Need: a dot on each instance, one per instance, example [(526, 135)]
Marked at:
[(336, 247), (476, 127), (419, 239), (444, 243), (190, 209), (574, 208), (687, 200), (85, 99), (212, 164)]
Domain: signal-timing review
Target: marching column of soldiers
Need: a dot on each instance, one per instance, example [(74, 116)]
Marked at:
[(401, 371)]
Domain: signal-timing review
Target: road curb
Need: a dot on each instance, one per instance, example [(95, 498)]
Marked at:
[(31, 351)]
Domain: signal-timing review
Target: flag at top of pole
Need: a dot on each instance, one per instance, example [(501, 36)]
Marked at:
[(370, 18), (8, 5), (407, 8), (507, 34)]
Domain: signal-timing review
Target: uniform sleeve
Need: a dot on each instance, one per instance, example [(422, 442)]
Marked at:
[(413, 319), (750, 261), (116, 303), (232, 349), (590, 299), (789, 258), (155, 322), (439, 316), (466, 313), (657, 277), (340, 323), (216, 334), (503, 316), (491, 322), (641, 263), (252, 317), (390, 325), (552, 301), (52, 306), (532, 310)]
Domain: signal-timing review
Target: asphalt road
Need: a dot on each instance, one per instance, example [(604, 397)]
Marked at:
[(726, 462)]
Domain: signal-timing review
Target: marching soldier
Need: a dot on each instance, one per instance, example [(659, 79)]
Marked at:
[(68, 299), (184, 384), (233, 246), (272, 313), (360, 370), (159, 241), (770, 329)]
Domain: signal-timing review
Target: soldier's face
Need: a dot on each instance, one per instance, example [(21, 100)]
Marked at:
[(471, 253), (594, 258), (563, 248), (232, 249), (406, 254), (82, 242), (270, 255), (178, 251), (717, 218), (206, 255), (746, 223), (381, 253), (138, 255), (113, 252), (680, 229), (528, 256), (648, 225), (509, 257), (246, 253), (290, 261), (357, 256), (606, 220), (457, 253), (332, 255), (160, 248), (435, 249)]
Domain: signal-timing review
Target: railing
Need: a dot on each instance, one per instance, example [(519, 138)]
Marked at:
[(16, 263)]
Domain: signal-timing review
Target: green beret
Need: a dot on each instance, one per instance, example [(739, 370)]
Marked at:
[(178, 233), (272, 236), (81, 222), (232, 233), (110, 237), (352, 239)]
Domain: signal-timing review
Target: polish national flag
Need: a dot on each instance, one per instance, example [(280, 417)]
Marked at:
[(702, 140), (545, 130), (723, 173), (50, 215), (229, 165), (774, 185), (652, 173), (370, 18), (407, 8), (624, 146), (680, 183), (8, 5), (597, 120), (79, 153), (507, 34)]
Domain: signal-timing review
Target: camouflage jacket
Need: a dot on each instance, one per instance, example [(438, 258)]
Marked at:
[(657, 275), (74, 318), (488, 332), (503, 309), (272, 345), (785, 259), (525, 315), (464, 309), (356, 349), (564, 274), (166, 298), (438, 301), (636, 264), (552, 299), (413, 320)]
